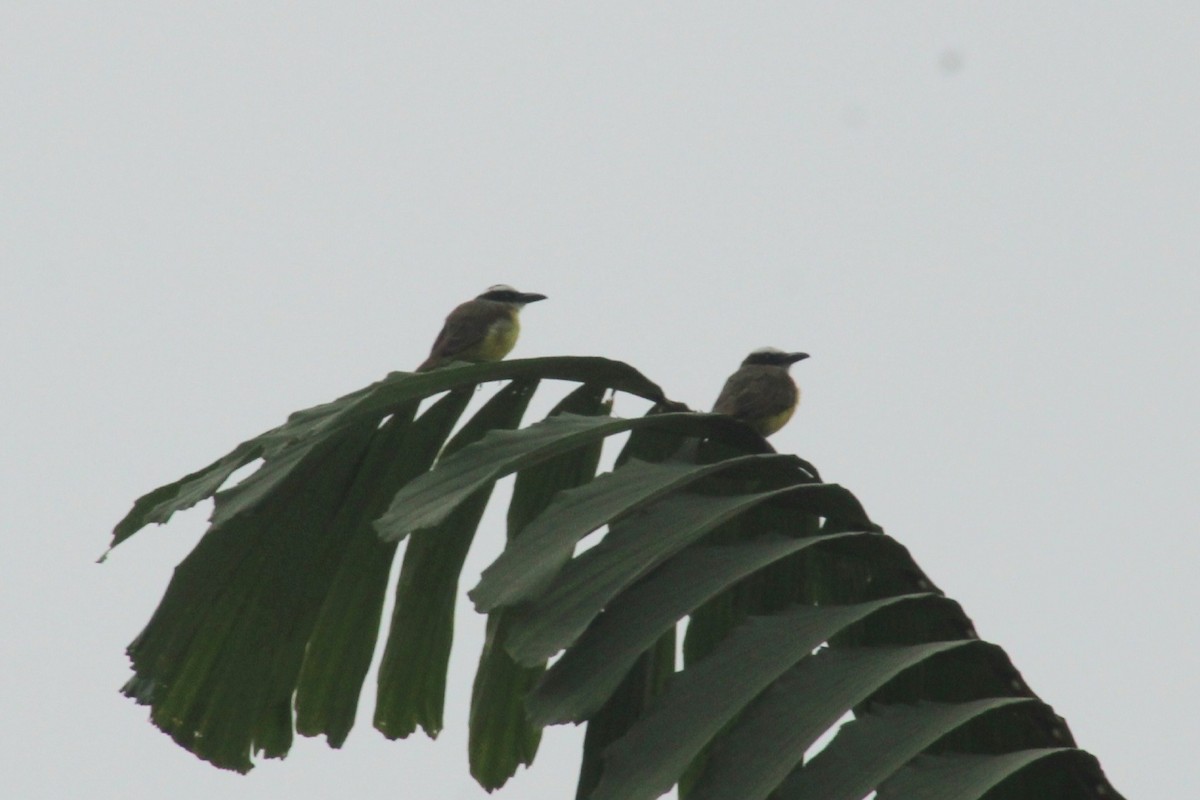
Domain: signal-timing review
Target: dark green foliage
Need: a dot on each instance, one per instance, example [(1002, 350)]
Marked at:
[(412, 673), (699, 704), (373, 402), (343, 637), (501, 736), (798, 609), (590, 670), (637, 691), (877, 744), (1053, 772), (526, 566), (219, 660)]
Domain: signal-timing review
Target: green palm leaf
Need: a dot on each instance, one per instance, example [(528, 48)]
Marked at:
[(798, 609)]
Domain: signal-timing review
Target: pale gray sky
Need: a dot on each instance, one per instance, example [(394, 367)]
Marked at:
[(980, 220)]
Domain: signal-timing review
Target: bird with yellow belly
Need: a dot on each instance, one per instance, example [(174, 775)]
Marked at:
[(483, 329), (761, 393)]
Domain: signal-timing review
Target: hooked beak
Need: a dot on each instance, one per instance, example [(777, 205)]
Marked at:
[(531, 297)]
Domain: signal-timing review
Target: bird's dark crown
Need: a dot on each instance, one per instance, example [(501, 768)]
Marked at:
[(507, 294), (769, 356)]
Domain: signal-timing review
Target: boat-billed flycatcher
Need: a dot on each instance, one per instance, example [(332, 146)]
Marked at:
[(762, 393), (483, 329)]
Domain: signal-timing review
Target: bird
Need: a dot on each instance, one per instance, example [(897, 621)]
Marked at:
[(483, 329), (761, 393)]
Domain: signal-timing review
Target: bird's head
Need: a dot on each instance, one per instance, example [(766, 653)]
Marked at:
[(503, 293), (773, 357)]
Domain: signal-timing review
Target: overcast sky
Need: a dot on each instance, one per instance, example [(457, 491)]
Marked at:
[(980, 219)]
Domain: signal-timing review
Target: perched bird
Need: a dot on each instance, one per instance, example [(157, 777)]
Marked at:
[(483, 329), (762, 393)]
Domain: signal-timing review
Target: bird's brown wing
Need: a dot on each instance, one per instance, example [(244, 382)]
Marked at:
[(454, 337), (753, 394)]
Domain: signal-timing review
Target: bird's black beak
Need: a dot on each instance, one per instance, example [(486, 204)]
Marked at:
[(792, 358), (531, 297)]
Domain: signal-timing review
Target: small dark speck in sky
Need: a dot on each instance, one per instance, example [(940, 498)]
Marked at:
[(950, 62)]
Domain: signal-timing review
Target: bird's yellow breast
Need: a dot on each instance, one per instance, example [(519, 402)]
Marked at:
[(500, 338), (768, 425)]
